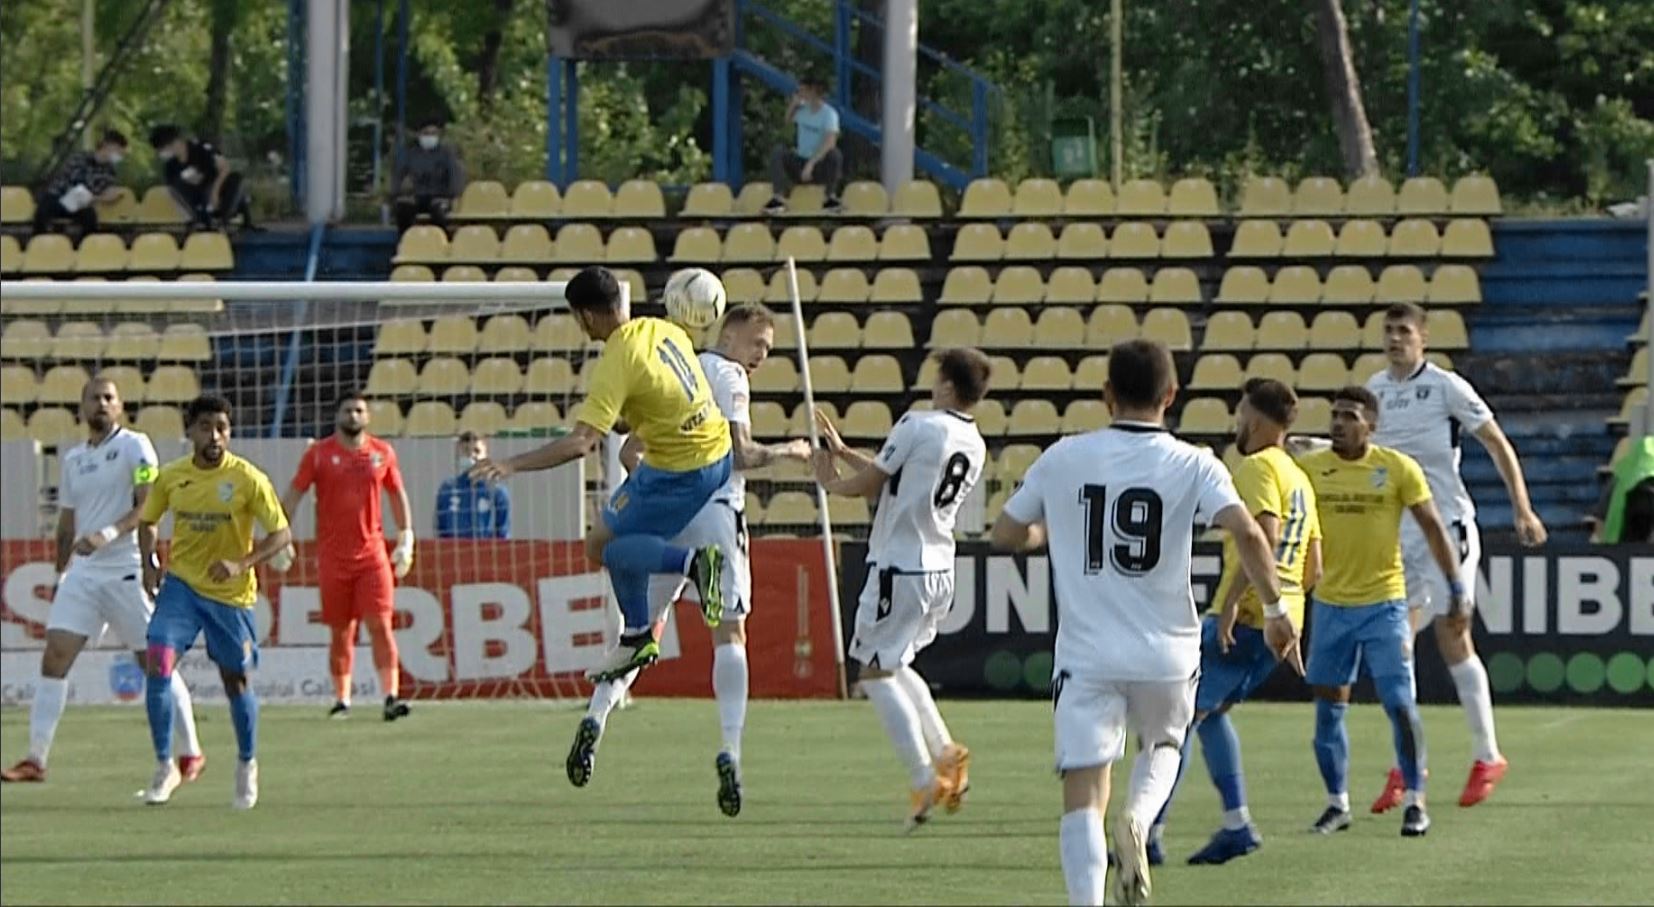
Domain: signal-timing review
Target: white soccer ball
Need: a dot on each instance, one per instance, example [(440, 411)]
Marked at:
[(694, 298)]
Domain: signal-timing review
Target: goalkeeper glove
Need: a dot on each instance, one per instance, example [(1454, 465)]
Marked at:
[(402, 556)]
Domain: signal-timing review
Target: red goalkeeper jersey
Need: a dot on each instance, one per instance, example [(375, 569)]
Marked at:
[(349, 528)]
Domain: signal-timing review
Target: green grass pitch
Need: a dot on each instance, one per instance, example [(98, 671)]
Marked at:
[(467, 803)]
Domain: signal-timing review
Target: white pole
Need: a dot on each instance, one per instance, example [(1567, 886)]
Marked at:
[(827, 552), (901, 74), (320, 120)]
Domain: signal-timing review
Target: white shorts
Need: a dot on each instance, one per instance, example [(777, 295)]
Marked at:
[(1426, 586), (91, 598), (1092, 717), (898, 615), (717, 524)]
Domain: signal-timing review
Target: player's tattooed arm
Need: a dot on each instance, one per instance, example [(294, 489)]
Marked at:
[(749, 454)]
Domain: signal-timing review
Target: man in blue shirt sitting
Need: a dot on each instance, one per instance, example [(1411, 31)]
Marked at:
[(468, 508), (815, 155)]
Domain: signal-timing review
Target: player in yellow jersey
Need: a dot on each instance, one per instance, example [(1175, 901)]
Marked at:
[(1241, 640), (215, 498), (1360, 613), (649, 378)]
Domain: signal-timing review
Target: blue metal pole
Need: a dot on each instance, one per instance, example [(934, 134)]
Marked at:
[(378, 90), (733, 135), (1413, 89), (571, 120), (979, 128), (841, 54), (720, 119), (295, 97), (295, 342), (554, 119)]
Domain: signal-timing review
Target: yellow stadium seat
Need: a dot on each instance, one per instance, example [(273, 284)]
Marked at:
[(485, 417), (25, 339), (154, 252), (1014, 462), (1228, 331), (1046, 373), (1314, 416), (1399, 283), (160, 207), (630, 245), (904, 242), (1644, 330), (1453, 285), (1414, 239), (497, 376), (769, 420), (1206, 416), (170, 384), (888, 331), (866, 419), (1265, 196), (11, 255), (1348, 285), (1447, 330), (206, 252), (516, 274), (1273, 366), (1141, 198), (709, 200), (78, 340), (587, 198), (1134, 240), (955, 327), (1636, 374), (697, 245), (535, 200), (120, 210), (54, 427), (1243, 285), (805, 244), (483, 199), (809, 290), (12, 426), (1082, 241), (742, 284), (1216, 371), (864, 198), (581, 243), (410, 274), (1008, 327), (166, 423), (1309, 239), (639, 199), (185, 342), (1003, 374), (1058, 329), (1367, 365), (1370, 196), (1175, 286), (1037, 198), (1030, 242), (422, 243), (1084, 415), (786, 332), (978, 242), (791, 508), (1089, 198), (1123, 285), (16, 205), (1193, 197), (899, 286), (549, 376), (1467, 239), (1092, 372), (1477, 195), (101, 253), (829, 374), (843, 286), (48, 253), (430, 419), (1318, 196), (1070, 285), (527, 243), (1295, 285), (1282, 331), (1169, 326), (752, 199), (400, 338), (967, 285), (1323, 371), (1372, 332), (1422, 195), (1034, 417), (1361, 239), (1186, 239), (1335, 331), (986, 198), (132, 341), (1256, 239), (853, 243), (835, 331), (799, 423), (1018, 285), (917, 198), (444, 376), (18, 385), (558, 333), (1110, 324), (465, 274), (749, 242), (453, 334), (1634, 401)]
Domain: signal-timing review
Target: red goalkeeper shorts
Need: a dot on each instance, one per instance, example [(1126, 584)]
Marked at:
[(351, 593)]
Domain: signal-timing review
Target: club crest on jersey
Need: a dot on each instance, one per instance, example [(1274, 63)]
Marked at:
[(335, 459), (226, 492), (377, 460), (1422, 393), (1379, 477), (110, 456)]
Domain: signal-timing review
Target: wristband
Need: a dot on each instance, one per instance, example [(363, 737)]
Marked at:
[(60, 579), (1455, 588), (1273, 611), (107, 534)]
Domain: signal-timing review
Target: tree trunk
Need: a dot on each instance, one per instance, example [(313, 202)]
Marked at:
[(218, 70), (1349, 114), (488, 66)]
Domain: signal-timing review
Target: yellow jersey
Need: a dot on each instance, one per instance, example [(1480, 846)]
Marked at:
[(1361, 503), (1268, 481), (212, 520), (648, 375)]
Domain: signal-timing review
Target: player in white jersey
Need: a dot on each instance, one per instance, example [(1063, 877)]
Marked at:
[(745, 338), (1425, 410), (1118, 508), (930, 462), (102, 490)]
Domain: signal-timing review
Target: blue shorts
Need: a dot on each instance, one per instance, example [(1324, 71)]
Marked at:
[(661, 503), (1341, 638), (181, 613), (1230, 677)]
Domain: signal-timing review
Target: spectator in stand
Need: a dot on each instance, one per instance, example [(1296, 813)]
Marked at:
[(469, 508), (428, 178), (87, 177), (200, 177), (815, 156), (1625, 514)]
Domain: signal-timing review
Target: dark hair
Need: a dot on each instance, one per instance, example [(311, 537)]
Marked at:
[(1141, 372), (749, 313), (968, 371), (1272, 398), (594, 289), (349, 395), (468, 437), (205, 405), (429, 121), (1358, 394), (163, 135), (1406, 311), (816, 82), (113, 137)]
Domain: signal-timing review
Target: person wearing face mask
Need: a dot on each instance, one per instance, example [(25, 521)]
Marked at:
[(86, 178), (200, 177), (428, 178), (469, 508)]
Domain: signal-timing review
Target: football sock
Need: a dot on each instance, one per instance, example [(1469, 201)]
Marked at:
[(384, 653), (924, 705), (1084, 865), (631, 560), (729, 685), (1470, 677), (1153, 773), (158, 699), (244, 715), (1221, 747), (1396, 693), (1159, 825), (44, 714), (901, 725), (1237, 818), (183, 718), (341, 655), (607, 695), (1332, 745)]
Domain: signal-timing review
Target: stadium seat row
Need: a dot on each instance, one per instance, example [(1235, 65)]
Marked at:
[(507, 274), (1243, 285), (158, 207), (446, 376), (63, 384), (55, 426), (127, 341), (797, 509), (43, 308), (1066, 328), (460, 335), (525, 244), (642, 199), (843, 286), (1316, 196), (1412, 238), (107, 253)]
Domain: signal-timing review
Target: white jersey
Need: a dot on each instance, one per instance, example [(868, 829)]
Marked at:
[(97, 483), (934, 458), (1422, 416), (732, 391), (1120, 507)]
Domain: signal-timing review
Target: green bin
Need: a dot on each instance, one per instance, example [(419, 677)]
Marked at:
[(1074, 148)]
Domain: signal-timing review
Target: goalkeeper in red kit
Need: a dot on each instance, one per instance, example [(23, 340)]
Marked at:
[(350, 468)]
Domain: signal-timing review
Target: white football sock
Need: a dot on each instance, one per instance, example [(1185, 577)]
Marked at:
[(186, 742), (44, 714), (930, 720), (1470, 677), (1339, 801), (1412, 798), (1153, 774), (1084, 865), (1237, 818), (607, 695), (729, 684), (901, 725)]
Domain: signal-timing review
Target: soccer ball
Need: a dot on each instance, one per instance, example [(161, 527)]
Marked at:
[(694, 298)]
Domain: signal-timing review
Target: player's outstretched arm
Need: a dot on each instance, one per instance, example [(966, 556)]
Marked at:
[(749, 454), (1441, 548), (866, 482), (572, 446), (830, 438), (1530, 530)]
